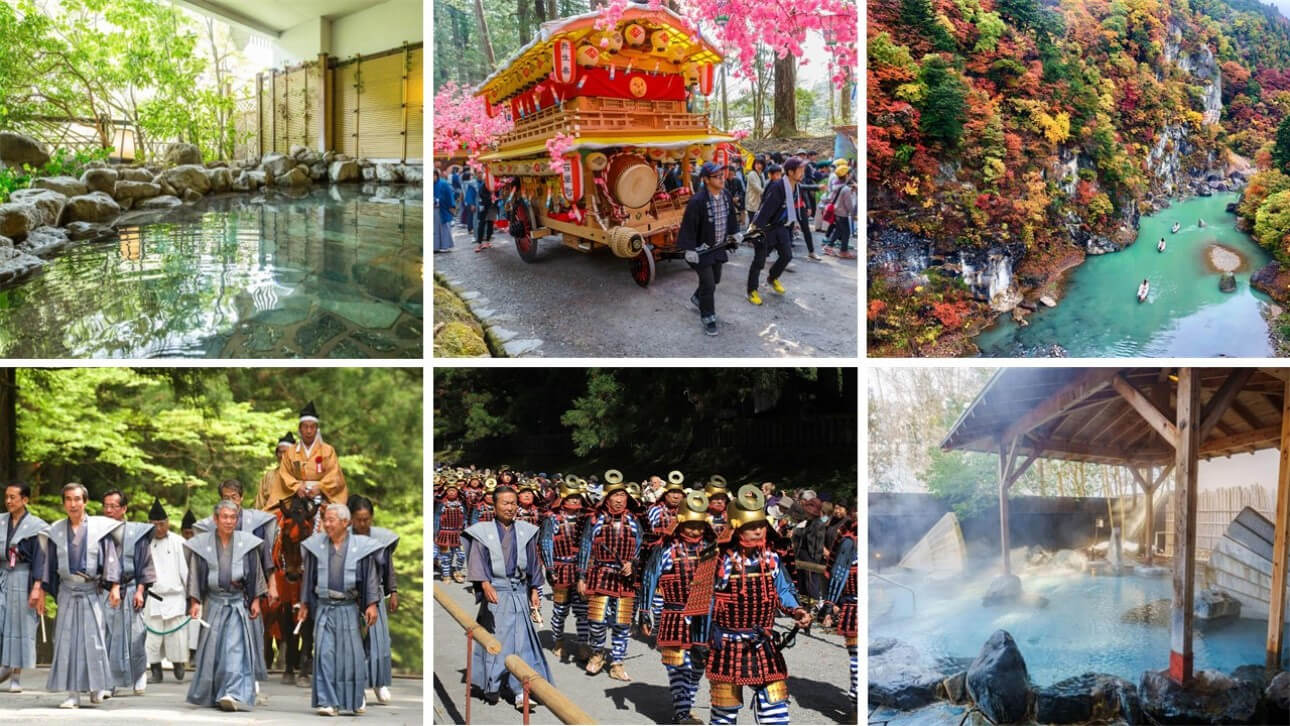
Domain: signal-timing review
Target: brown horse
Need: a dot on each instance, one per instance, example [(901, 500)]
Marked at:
[(295, 524)]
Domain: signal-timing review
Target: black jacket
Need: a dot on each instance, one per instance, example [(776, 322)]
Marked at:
[(772, 204), (697, 230)]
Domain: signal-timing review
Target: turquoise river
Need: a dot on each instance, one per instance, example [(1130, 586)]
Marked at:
[(1185, 314)]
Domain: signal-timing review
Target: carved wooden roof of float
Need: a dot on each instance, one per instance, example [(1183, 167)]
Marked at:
[(532, 63), (1119, 415)]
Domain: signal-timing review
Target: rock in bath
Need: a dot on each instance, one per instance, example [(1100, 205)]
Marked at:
[(1092, 697), (899, 678), (1212, 698), (998, 681), (1003, 589)]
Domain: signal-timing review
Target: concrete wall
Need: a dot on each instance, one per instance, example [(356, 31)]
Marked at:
[(303, 42), (378, 28)]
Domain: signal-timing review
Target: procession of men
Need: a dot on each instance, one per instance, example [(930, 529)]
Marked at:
[(134, 598), (701, 570)]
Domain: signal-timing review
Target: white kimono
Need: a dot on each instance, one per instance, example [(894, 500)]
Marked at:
[(169, 613)]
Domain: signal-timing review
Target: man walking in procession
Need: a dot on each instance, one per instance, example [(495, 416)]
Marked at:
[(165, 614), (19, 548), (503, 564), (339, 587), (611, 542), (125, 630), (225, 586), (79, 560), (380, 653), (561, 534)]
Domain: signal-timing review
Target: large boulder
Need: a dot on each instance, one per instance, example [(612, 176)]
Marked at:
[(998, 681), (17, 150), (135, 191), (92, 207), (14, 263), (182, 154), (184, 178), (318, 172), (100, 180), (413, 173), (18, 218), (78, 231), (369, 173), (45, 241), (1092, 697), (162, 202), (65, 185), (134, 174), (388, 173), (296, 177), (1002, 589), (899, 677), (1212, 698), (277, 164), (1214, 608), (48, 202), (221, 179), (297, 151), (1154, 612), (343, 171), (1277, 697)]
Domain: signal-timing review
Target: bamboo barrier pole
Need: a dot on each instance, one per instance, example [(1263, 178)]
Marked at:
[(463, 618), (564, 709)]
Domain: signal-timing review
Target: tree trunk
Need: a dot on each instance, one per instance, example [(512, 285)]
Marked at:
[(552, 12), (785, 123), (485, 40), (845, 102), (539, 11), (522, 8), (8, 425)]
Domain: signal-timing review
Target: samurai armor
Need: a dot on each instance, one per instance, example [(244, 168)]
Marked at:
[(452, 520)]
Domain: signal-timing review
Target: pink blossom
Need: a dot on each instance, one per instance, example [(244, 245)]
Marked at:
[(557, 147), (461, 122)]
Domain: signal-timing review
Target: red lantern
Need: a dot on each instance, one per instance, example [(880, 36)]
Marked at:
[(572, 177), (706, 76), (564, 69), (722, 156)]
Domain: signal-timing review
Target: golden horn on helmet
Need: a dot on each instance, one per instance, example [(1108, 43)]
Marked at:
[(675, 477), (747, 507), (613, 476)]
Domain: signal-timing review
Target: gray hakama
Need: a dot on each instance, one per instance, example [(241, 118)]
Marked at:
[(337, 587), (380, 653), (508, 559), (126, 635), (19, 553), (75, 561), (225, 581), (265, 526)]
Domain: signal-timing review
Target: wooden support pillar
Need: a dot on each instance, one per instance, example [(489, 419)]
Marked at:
[(322, 102), (1187, 426), (1005, 462), (1149, 527), (1277, 607)]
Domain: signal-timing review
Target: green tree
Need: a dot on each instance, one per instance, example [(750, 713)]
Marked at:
[(967, 482), (919, 16), (1281, 150), (943, 107), (1272, 225)]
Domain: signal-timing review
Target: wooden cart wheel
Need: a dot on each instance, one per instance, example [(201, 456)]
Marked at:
[(526, 246), (643, 266)]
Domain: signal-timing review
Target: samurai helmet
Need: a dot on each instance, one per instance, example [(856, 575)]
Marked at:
[(694, 508), (613, 476), (717, 485), (747, 507), (674, 481), (571, 489), (490, 484)]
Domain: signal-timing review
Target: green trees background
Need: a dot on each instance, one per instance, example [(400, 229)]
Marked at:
[(145, 62), (794, 426), (175, 433)]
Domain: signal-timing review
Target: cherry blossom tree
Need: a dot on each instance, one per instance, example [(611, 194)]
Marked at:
[(462, 123)]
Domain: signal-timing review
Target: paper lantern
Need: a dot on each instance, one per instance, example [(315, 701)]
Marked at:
[(694, 151), (610, 41), (721, 156), (659, 40), (657, 154), (638, 87), (572, 177), (706, 75), (588, 55), (635, 35), (563, 67), (596, 161)]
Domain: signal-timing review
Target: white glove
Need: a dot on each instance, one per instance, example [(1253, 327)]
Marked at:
[(692, 257)]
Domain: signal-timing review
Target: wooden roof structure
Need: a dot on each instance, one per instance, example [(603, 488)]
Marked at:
[(532, 63), (1153, 421)]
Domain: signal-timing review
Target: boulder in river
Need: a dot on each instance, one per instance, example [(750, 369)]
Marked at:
[(100, 180), (1212, 698), (18, 218), (1155, 612), (900, 678), (1227, 282), (180, 154), (1215, 607), (65, 185), (998, 681), (1277, 698), (1003, 589), (48, 202), (1092, 697), (92, 207), (17, 150)]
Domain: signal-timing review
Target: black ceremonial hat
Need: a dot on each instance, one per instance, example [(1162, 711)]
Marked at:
[(189, 520), (309, 412), (157, 513)]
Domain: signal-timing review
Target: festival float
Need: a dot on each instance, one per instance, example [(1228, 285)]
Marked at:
[(596, 113)]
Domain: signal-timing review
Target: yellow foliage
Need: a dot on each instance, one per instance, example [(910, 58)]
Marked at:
[(911, 188), (911, 92), (994, 170)]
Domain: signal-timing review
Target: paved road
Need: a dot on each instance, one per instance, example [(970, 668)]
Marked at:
[(817, 666), (164, 704), (573, 304)]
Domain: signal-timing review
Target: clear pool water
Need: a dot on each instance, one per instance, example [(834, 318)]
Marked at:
[(335, 272), (1185, 314), (1079, 631)]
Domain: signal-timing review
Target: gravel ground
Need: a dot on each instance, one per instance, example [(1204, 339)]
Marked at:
[(164, 704), (817, 666), (573, 304)]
